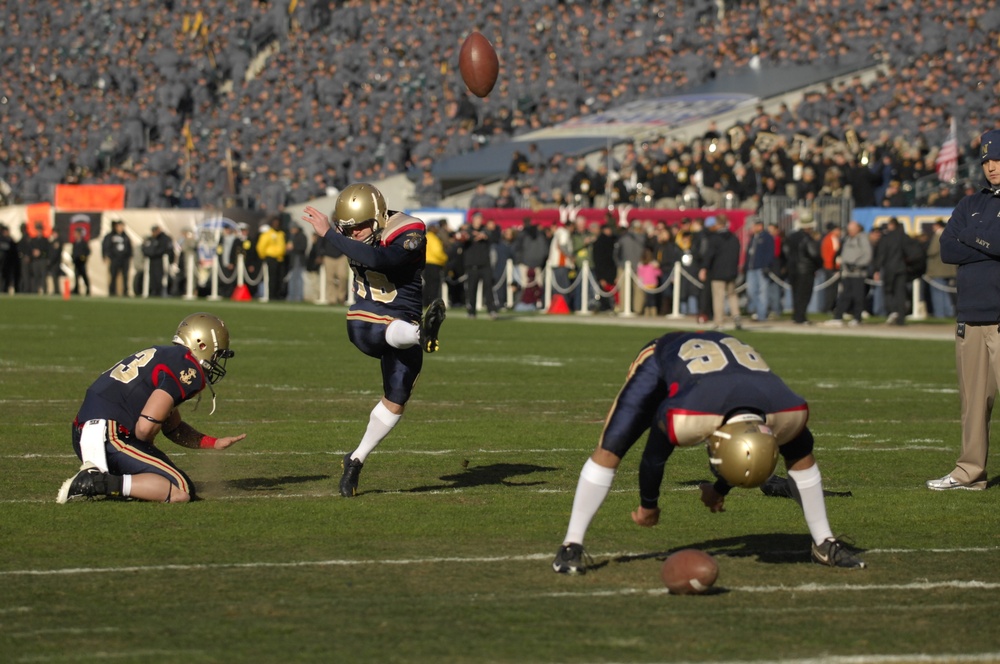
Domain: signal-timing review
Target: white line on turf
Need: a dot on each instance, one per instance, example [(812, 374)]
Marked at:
[(920, 658), (803, 588), (69, 571)]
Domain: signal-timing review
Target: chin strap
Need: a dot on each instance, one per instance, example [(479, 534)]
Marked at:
[(198, 400)]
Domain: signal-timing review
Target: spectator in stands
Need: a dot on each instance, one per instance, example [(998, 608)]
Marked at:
[(776, 295), (482, 199), (152, 94), (561, 259), (116, 248), (757, 264), (894, 196), (336, 269), (720, 269), (582, 238), (629, 250), (228, 252), (476, 248), (829, 250), (9, 266), (158, 249), (648, 274), (890, 269), (80, 255), (55, 263), (941, 275), (296, 248), (531, 249), (252, 263), (605, 266), (855, 259), (802, 258), (428, 190), (701, 232), (37, 249), (271, 248), (437, 260)]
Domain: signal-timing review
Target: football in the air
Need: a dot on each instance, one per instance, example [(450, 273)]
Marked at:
[(689, 572), (478, 63)]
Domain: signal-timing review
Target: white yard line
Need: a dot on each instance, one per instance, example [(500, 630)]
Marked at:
[(70, 571)]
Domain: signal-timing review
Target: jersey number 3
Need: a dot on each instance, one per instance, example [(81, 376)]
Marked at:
[(129, 371), (705, 356)]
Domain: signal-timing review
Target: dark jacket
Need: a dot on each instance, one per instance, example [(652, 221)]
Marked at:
[(889, 253), (973, 244), (603, 252), (801, 251), (722, 261)]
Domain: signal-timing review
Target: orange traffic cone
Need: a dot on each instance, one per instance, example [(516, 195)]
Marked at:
[(65, 288), (242, 293), (558, 305)]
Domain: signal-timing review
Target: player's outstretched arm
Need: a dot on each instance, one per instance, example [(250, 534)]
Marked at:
[(223, 443), (186, 435)]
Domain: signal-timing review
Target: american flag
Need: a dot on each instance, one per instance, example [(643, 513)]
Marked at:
[(946, 163)]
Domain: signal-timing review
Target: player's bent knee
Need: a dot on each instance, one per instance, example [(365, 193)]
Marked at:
[(799, 447)]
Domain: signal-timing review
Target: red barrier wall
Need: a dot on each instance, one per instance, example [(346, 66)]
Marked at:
[(505, 217)]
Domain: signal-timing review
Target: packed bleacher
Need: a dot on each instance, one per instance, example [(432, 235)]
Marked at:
[(266, 104)]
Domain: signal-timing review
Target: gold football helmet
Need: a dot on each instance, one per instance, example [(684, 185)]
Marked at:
[(207, 337), (359, 204), (743, 453)]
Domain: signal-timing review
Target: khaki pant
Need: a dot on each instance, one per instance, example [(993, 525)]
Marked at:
[(977, 360), (337, 277), (723, 291)]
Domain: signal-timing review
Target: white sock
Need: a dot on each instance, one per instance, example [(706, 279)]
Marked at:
[(380, 423), (810, 486), (126, 486), (593, 487), (401, 334)]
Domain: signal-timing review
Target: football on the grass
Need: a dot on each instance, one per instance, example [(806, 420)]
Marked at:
[(689, 572), (478, 63)]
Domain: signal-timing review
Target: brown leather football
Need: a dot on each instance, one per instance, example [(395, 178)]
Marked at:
[(478, 64), (689, 572)]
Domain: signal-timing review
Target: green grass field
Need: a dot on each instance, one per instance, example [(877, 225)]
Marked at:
[(445, 557)]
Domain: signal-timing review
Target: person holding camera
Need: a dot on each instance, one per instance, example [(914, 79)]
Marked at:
[(855, 257)]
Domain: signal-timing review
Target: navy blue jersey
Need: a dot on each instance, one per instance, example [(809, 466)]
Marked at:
[(120, 393), (388, 276), (682, 386)]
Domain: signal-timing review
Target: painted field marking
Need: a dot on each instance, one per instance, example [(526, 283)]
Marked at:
[(69, 571)]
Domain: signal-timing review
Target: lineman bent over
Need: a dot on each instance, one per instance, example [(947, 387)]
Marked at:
[(689, 388)]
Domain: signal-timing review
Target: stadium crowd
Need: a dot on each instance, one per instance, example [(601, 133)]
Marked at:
[(221, 103), (488, 266)]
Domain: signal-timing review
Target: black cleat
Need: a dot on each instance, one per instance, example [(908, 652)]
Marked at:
[(834, 554), (777, 487), (349, 481), (89, 482), (571, 559), (430, 325)]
